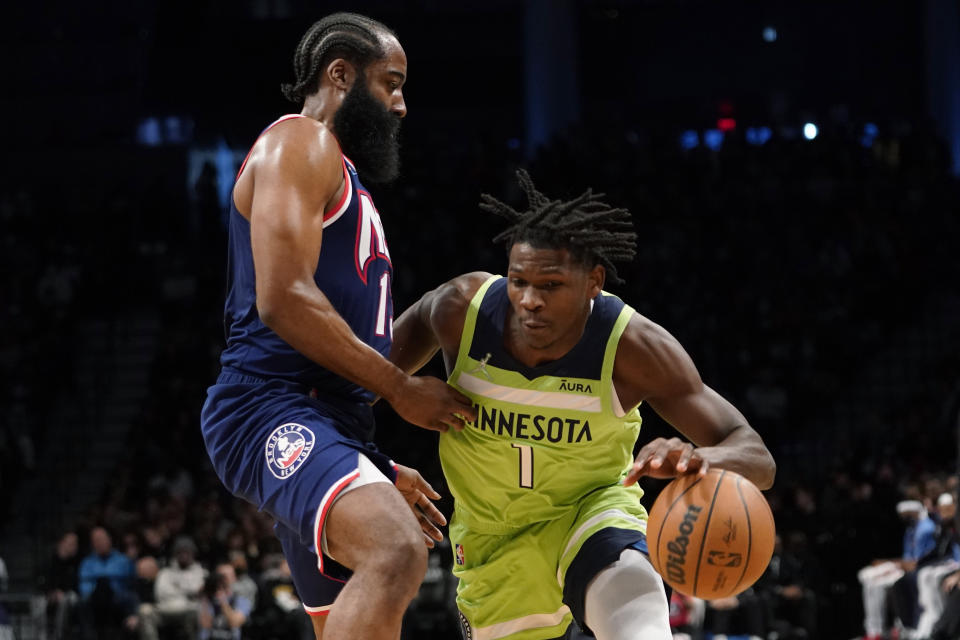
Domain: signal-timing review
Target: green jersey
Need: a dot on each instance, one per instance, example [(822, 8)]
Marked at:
[(545, 437)]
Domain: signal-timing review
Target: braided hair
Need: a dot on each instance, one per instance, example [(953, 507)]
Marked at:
[(350, 36), (592, 231)]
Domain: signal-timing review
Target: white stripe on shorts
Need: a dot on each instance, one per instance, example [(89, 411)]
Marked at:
[(318, 611), (533, 621), (603, 515)]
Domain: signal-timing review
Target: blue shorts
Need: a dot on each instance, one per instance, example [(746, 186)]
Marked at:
[(278, 445)]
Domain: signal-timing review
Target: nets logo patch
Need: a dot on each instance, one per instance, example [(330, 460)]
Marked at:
[(287, 448)]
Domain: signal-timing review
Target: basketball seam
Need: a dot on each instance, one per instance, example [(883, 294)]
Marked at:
[(706, 528), (746, 511)]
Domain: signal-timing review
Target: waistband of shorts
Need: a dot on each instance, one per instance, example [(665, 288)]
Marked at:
[(356, 416), (229, 375)]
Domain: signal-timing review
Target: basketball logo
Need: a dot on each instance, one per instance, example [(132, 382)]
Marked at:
[(287, 448)]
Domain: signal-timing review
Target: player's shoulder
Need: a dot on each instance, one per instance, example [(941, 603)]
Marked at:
[(652, 359), (299, 143), (644, 336), (450, 300)]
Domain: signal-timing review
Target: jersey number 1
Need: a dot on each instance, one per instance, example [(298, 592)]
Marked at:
[(526, 465), (382, 320)]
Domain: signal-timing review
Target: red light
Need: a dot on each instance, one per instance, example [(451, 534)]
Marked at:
[(726, 124)]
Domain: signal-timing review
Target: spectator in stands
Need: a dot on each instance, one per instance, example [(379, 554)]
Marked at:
[(144, 587), (222, 612), (933, 567), (279, 611), (107, 600), (686, 616), (788, 588), (741, 614), (6, 630), (245, 585), (177, 592), (948, 626), (880, 576), (60, 583)]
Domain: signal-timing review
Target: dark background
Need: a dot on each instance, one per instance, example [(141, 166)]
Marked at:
[(814, 282)]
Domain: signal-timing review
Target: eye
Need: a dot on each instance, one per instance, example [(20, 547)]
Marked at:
[(553, 284), (518, 282)]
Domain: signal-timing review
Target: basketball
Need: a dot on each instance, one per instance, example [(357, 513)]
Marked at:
[(710, 537)]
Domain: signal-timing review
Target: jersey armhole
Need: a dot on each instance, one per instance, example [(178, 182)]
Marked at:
[(470, 324), (334, 214), (609, 397)]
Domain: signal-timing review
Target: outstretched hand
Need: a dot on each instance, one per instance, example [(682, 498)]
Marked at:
[(666, 458), (433, 404), (418, 493)]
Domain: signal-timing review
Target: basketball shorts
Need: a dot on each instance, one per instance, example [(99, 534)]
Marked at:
[(292, 454), (529, 584)]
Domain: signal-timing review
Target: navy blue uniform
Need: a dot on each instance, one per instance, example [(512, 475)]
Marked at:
[(283, 432)]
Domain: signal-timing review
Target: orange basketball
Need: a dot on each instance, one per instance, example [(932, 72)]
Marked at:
[(710, 537)]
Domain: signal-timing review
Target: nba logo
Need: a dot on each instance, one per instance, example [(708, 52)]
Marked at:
[(459, 554)]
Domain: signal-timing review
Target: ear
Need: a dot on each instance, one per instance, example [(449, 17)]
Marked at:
[(595, 279), (341, 74)]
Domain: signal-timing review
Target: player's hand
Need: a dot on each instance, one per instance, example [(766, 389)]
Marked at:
[(431, 403), (418, 493), (950, 582), (663, 458)]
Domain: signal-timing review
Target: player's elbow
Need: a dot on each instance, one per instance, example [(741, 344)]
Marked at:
[(767, 471), (267, 309), (271, 303)]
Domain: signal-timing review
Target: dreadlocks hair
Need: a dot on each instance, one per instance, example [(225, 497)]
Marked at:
[(340, 35), (591, 230)]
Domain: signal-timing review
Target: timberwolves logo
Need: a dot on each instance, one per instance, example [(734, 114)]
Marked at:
[(287, 447)]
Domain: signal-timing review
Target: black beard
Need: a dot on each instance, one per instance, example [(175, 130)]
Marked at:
[(369, 134)]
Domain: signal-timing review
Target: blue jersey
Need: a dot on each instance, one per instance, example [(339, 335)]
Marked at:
[(354, 273)]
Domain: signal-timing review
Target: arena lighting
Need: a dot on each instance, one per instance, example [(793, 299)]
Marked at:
[(769, 34), (758, 135), (713, 138), (726, 124), (689, 140), (810, 131), (870, 132)]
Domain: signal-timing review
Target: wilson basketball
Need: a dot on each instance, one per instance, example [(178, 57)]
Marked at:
[(710, 537)]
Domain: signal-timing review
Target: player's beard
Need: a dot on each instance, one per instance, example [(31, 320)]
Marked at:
[(369, 134)]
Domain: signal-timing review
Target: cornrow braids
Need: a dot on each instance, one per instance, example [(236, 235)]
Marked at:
[(350, 36), (591, 230)]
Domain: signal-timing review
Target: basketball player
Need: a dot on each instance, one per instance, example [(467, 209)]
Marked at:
[(309, 322), (547, 524)]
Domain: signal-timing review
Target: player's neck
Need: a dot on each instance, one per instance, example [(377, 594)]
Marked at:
[(320, 108), (533, 355)]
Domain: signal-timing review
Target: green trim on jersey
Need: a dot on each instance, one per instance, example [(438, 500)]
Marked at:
[(538, 446)]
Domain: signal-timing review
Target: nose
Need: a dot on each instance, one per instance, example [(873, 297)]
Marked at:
[(399, 106), (531, 300)]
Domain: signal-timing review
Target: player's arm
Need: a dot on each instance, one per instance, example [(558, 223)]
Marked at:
[(434, 322), (297, 174), (651, 365)]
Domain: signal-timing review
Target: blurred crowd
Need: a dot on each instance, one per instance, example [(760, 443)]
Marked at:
[(780, 267)]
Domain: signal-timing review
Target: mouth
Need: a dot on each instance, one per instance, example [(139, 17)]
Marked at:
[(534, 325)]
